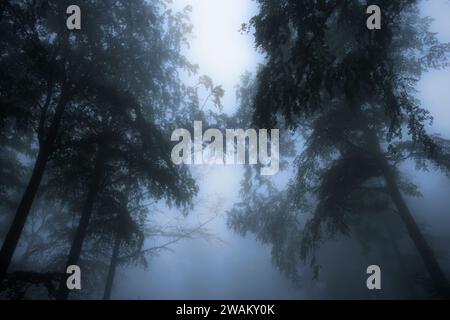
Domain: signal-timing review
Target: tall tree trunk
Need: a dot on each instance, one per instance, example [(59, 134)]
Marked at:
[(437, 275), (23, 209), (77, 243), (408, 287), (435, 272), (122, 215), (112, 268)]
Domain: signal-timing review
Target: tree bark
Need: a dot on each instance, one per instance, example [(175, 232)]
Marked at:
[(24, 207), (112, 268), (437, 275), (408, 287), (435, 272), (77, 243)]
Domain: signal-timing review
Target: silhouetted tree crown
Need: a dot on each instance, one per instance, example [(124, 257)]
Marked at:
[(350, 93)]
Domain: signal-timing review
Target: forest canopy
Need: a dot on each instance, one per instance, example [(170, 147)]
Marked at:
[(348, 92), (111, 138)]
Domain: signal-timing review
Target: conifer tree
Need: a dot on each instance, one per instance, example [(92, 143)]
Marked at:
[(350, 92)]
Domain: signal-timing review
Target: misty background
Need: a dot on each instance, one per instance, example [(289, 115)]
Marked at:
[(237, 267)]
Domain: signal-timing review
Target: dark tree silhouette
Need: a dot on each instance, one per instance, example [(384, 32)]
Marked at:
[(107, 95), (350, 91)]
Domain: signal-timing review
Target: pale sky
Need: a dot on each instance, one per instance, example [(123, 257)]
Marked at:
[(222, 52), (435, 86)]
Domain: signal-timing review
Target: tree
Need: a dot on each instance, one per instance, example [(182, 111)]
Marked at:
[(351, 92), (119, 41), (106, 127)]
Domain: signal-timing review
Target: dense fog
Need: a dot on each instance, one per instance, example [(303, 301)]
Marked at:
[(204, 244)]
